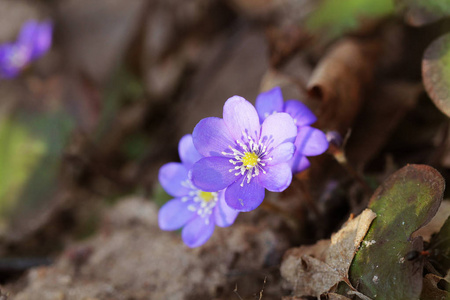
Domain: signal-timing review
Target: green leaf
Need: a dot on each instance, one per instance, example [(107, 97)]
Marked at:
[(406, 201), (422, 12), (334, 17), (20, 152), (436, 72)]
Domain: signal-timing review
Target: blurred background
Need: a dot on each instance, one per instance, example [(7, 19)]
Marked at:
[(85, 128)]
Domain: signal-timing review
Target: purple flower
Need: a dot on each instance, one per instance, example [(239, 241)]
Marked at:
[(195, 210), (309, 141), (242, 155), (34, 40)]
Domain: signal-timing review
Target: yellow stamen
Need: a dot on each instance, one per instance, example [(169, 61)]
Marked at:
[(206, 196), (250, 160)]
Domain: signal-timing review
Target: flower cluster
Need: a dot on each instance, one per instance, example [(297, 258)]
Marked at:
[(227, 164), (34, 41)]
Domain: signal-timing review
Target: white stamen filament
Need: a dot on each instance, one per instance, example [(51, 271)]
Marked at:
[(203, 207), (251, 160)]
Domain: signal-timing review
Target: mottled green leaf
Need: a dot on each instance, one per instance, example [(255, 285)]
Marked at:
[(436, 72), (406, 201), (333, 18), (422, 12)]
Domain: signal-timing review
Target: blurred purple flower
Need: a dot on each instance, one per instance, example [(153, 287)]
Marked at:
[(34, 40), (242, 155), (193, 209), (310, 141)]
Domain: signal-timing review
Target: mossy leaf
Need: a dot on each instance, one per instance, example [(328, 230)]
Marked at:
[(406, 201), (436, 72), (333, 18)]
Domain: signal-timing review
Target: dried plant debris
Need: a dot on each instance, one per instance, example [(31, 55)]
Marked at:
[(435, 287), (314, 270), (131, 258)]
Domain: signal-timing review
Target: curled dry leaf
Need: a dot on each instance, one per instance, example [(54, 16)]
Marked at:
[(340, 78), (314, 270), (436, 72)]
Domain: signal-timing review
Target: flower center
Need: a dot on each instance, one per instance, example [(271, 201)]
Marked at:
[(248, 159), (206, 196), (202, 202)]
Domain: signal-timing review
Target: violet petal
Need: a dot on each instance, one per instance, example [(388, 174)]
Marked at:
[(277, 129), (277, 177), (13, 57), (175, 214), (240, 116), (223, 214), (269, 102), (301, 114), (28, 32), (311, 141), (197, 232), (282, 153), (212, 174), (173, 177), (246, 197), (42, 40), (211, 137), (299, 163), (188, 154)]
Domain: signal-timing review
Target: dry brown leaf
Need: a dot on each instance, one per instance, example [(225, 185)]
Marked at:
[(314, 270), (345, 243), (340, 79), (308, 275)]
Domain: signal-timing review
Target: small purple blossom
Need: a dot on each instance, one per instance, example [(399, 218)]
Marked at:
[(309, 141), (195, 210), (34, 41), (243, 156)]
